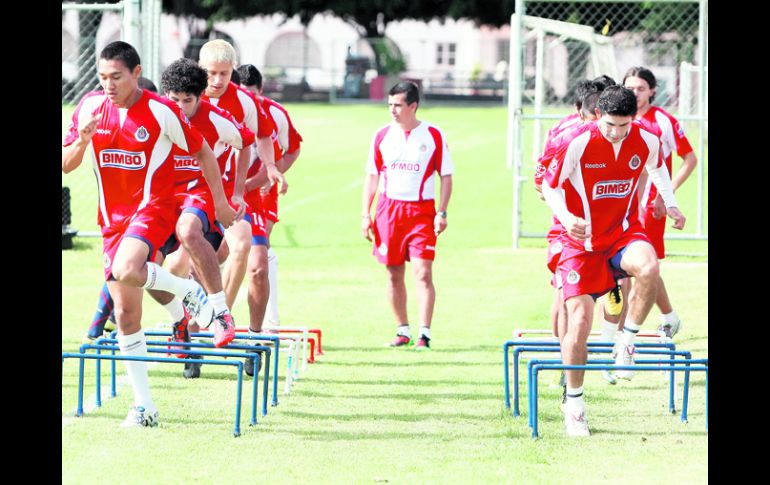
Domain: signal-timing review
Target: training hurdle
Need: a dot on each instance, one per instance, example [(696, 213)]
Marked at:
[(687, 366), (520, 332), (549, 345), (82, 356), (196, 348)]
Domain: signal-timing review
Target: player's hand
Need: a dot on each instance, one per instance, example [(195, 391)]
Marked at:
[(679, 219), (239, 205), (539, 190), (366, 227), (226, 215), (275, 176), (658, 208), (87, 131), (577, 229), (439, 224)]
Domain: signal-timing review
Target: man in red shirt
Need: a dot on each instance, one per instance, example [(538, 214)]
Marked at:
[(590, 186), (130, 133)]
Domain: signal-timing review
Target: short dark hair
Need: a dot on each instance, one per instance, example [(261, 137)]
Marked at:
[(644, 73), (121, 51), (147, 84), (408, 87), (584, 88), (617, 101), (250, 75), (605, 81), (184, 76), (589, 103)]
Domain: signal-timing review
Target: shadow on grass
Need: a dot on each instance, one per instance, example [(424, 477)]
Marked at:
[(442, 363), (405, 382), (409, 418), (406, 396), (431, 438)]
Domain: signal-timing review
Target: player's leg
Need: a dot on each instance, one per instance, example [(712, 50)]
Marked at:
[(670, 321), (238, 237), (271, 312), (396, 292), (574, 350), (102, 316), (637, 259), (193, 223), (426, 298), (259, 291)]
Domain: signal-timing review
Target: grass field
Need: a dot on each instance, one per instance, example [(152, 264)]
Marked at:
[(365, 413)]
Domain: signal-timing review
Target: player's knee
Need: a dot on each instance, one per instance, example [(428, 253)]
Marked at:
[(127, 319), (128, 272), (424, 276), (648, 270), (187, 231), (258, 271), (240, 248)]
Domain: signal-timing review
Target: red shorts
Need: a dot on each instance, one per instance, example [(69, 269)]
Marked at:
[(554, 246), (258, 230), (589, 272), (153, 224), (270, 204), (198, 201), (403, 230), (654, 228)]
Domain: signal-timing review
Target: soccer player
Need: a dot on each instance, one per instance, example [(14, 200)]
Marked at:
[(247, 243), (130, 133), (642, 82), (403, 160), (289, 140), (590, 187)]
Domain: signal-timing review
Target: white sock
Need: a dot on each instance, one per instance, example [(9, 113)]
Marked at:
[(425, 332), (160, 279), (271, 310), (575, 397), (669, 318), (403, 329), (609, 330), (175, 309), (219, 301), (254, 342), (136, 345), (630, 329)]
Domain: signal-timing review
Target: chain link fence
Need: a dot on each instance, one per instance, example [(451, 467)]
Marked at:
[(554, 45)]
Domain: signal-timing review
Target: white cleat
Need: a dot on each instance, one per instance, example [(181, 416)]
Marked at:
[(138, 417), (198, 305), (670, 329), (576, 422), (624, 355), (607, 376)]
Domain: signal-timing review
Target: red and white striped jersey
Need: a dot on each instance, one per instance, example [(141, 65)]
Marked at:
[(672, 138), (222, 132), (129, 150), (408, 161), (600, 179), (559, 134), (288, 137)]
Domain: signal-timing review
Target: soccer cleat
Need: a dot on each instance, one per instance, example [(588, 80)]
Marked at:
[(670, 329), (624, 355), (613, 304), (563, 403), (224, 329), (607, 376), (423, 343), (198, 306), (192, 370), (179, 333), (576, 422), (401, 341), (138, 417), (248, 366), (109, 325)]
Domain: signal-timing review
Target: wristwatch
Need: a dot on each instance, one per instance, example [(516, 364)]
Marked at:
[(442, 214)]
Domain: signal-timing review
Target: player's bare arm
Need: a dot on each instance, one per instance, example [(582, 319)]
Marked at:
[(72, 155), (210, 169), (241, 168), (440, 221), (370, 189)]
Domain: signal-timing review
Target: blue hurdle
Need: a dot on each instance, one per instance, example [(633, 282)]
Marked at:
[(552, 344), (663, 365), (100, 345), (598, 350), (82, 357)]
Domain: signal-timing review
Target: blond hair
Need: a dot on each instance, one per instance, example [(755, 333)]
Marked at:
[(217, 50)]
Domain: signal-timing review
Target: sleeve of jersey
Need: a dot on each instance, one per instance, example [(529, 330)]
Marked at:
[(441, 156), (72, 132), (265, 124), (294, 138), (374, 163), (229, 130), (181, 132), (544, 161), (683, 146)]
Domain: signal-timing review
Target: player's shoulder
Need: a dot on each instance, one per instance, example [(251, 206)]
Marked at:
[(650, 134), (91, 100)]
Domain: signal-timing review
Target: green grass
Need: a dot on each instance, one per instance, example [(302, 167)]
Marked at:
[(369, 414)]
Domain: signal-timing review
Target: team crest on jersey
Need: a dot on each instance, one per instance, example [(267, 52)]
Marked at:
[(556, 248), (423, 147), (540, 170), (142, 134), (573, 277), (106, 260), (635, 162), (612, 189), (383, 249)]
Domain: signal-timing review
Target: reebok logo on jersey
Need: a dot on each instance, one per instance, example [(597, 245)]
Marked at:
[(403, 166), (102, 131), (612, 189), (596, 165), (186, 163), (122, 159)]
